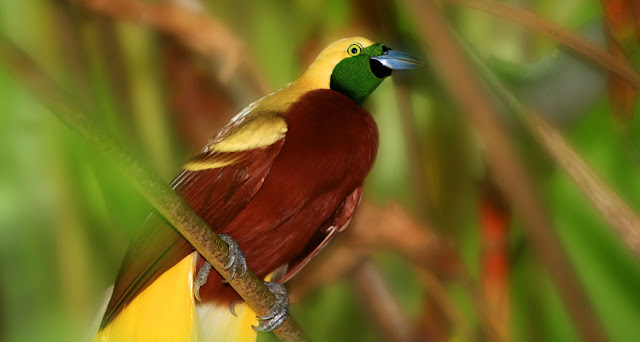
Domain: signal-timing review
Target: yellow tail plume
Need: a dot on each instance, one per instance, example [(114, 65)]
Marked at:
[(167, 311)]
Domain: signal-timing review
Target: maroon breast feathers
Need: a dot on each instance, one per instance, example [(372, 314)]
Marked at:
[(329, 148)]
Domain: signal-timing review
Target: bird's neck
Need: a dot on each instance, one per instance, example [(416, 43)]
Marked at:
[(281, 100)]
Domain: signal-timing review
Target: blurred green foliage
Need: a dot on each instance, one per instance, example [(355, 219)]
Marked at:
[(67, 214)]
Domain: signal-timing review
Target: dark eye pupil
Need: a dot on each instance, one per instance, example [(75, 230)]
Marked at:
[(354, 50)]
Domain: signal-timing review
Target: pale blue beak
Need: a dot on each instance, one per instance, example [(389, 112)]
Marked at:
[(396, 60)]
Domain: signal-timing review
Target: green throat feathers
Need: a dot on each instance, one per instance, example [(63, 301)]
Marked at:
[(359, 75)]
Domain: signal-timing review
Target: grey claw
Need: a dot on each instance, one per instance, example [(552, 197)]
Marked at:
[(232, 308), (236, 258), (201, 279), (244, 269), (232, 258), (278, 313), (233, 274)]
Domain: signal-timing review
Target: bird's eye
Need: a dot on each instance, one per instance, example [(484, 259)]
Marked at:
[(354, 49)]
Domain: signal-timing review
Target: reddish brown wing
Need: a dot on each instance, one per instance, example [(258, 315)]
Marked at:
[(217, 195), (335, 224)]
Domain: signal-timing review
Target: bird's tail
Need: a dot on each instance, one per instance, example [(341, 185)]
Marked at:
[(167, 311), (218, 324)]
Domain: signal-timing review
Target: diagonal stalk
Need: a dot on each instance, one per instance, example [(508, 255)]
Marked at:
[(615, 212), (512, 177), (166, 201)]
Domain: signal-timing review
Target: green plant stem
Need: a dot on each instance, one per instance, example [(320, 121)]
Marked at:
[(166, 201)]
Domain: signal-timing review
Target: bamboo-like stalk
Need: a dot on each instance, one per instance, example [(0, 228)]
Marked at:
[(166, 201), (512, 178), (615, 211)]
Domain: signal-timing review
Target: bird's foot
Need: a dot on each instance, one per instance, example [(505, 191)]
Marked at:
[(278, 313), (237, 261), (201, 279)]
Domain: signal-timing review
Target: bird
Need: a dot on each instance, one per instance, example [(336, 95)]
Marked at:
[(278, 182)]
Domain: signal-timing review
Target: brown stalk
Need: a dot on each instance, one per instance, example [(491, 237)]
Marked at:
[(339, 259), (197, 30), (412, 143), (374, 228), (612, 208), (564, 36), (381, 16), (438, 294), (377, 298), (391, 228), (512, 178)]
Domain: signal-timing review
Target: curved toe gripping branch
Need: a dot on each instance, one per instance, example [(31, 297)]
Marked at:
[(278, 313), (236, 257), (236, 261), (201, 279)]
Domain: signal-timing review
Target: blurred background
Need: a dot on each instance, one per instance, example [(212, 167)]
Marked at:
[(453, 241)]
